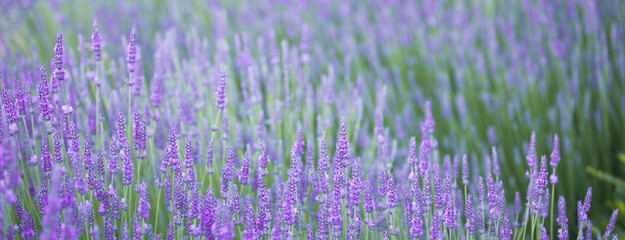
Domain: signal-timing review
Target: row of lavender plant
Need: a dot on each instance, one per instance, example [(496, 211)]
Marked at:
[(494, 71), (90, 183), (275, 101)]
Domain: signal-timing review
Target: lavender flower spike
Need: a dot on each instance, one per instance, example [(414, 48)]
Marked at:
[(59, 73), (465, 170), (555, 155), (221, 90), (563, 232), (132, 50), (43, 95), (96, 46), (610, 228)]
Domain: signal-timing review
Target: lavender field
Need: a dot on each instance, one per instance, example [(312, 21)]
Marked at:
[(399, 119)]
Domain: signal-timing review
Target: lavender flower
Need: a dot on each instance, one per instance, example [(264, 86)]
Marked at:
[(227, 173), (9, 107), (563, 232), (21, 99), (495, 159), (610, 228), (221, 90), (209, 158), (582, 210), (132, 51), (96, 43), (470, 216), (139, 135), (544, 235), (324, 159), (42, 90), (465, 170), (555, 155), (531, 154), (143, 209), (59, 73), (244, 172)]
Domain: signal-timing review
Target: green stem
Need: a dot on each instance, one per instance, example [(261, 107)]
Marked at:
[(553, 191)]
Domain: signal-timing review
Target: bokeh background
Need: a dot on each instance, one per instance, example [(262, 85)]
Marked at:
[(494, 71)]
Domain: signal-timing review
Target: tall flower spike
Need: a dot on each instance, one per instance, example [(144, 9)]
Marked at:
[(21, 98), (143, 209), (543, 176), (59, 73), (470, 215), (610, 228), (495, 159), (555, 155), (413, 153), (244, 172), (343, 144), (531, 154), (465, 170), (43, 95), (140, 136), (132, 50), (209, 158), (188, 154), (96, 43), (11, 111), (221, 90), (563, 232)]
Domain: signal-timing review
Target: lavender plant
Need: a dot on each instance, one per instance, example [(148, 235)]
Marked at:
[(311, 120)]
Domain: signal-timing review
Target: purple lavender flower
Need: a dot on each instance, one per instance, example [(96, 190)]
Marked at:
[(368, 203), (544, 235), (227, 173), (209, 158), (423, 158), (43, 94), (495, 159), (171, 234), (392, 197), (543, 176), (610, 228), (100, 164), (470, 216), (59, 73), (132, 51), (221, 90), (343, 145), (555, 155), (9, 106), (531, 154), (180, 197), (128, 165), (188, 154), (58, 155), (563, 232), (21, 99), (42, 197), (413, 158), (143, 209), (46, 159), (324, 159), (244, 172), (465, 170), (139, 135), (96, 43), (517, 203), (582, 210), (173, 160)]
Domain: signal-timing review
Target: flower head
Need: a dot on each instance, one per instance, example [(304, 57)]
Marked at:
[(132, 51)]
